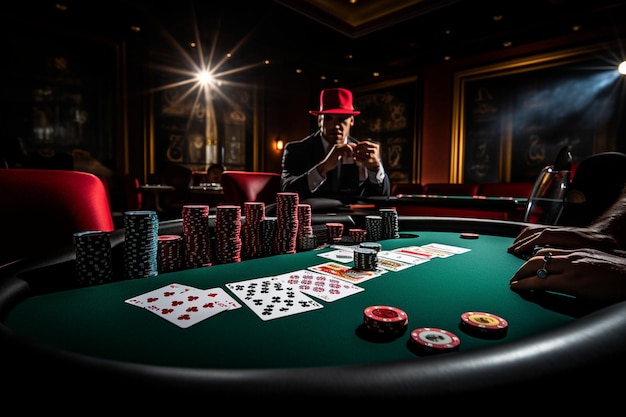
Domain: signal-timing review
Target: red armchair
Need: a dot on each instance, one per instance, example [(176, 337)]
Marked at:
[(244, 186), (42, 209)]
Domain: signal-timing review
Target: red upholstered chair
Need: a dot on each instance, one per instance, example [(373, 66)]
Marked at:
[(450, 189), (406, 188), (40, 210), (244, 186), (506, 189)]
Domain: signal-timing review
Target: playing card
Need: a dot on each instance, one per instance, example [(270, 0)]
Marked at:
[(187, 307), (220, 295), (320, 286), (150, 297), (416, 252), (443, 250), (393, 265), (400, 257), (270, 298), (339, 255), (217, 294), (346, 272)]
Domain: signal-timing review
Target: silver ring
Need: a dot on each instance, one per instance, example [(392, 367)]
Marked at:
[(543, 272)]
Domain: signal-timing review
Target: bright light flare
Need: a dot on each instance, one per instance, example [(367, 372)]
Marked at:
[(622, 68), (205, 78)]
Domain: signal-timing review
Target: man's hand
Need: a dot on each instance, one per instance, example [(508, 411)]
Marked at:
[(368, 154), (334, 156)]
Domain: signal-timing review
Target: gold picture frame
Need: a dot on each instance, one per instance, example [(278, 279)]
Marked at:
[(511, 119), (389, 117)]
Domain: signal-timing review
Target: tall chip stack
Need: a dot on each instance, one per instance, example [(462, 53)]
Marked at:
[(141, 244), (306, 238), (93, 257), (286, 222), (228, 234), (251, 230), (196, 237)]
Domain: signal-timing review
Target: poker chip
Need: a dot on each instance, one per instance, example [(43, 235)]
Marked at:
[(469, 235), (487, 324), (432, 340), (385, 320)]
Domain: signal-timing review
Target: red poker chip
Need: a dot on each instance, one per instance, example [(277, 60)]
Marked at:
[(484, 322), (469, 235), (433, 339), (385, 314)]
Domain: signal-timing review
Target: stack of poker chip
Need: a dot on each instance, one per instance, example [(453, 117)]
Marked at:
[(170, 255), (196, 236), (228, 234), (306, 237), (141, 244), (251, 233), (374, 227), (390, 228), (357, 235), (385, 320), (365, 259), (334, 232), (268, 236), (286, 237), (371, 245), (93, 257)]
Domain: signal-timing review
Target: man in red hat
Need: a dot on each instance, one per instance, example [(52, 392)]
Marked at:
[(330, 163)]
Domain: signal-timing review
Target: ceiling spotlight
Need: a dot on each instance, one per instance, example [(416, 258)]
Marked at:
[(622, 68)]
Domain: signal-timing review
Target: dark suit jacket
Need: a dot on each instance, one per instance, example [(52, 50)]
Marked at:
[(300, 156)]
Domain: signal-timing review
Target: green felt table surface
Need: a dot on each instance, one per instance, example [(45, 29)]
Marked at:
[(96, 321)]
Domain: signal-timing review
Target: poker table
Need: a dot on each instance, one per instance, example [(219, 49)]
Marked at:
[(90, 336)]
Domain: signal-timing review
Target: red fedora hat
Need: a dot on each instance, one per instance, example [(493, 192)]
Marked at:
[(335, 101)]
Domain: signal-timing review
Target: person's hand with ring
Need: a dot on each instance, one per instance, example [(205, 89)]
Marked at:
[(588, 274)]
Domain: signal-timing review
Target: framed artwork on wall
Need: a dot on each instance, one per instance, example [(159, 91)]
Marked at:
[(388, 116), (511, 119)]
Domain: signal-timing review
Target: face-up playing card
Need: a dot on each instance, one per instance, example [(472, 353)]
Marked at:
[(221, 295), (150, 297), (187, 308), (400, 257), (320, 286), (416, 252), (270, 298), (196, 304), (393, 265), (345, 272), (443, 250), (339, 255)]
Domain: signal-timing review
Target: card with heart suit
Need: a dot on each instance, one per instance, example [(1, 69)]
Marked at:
[(150, 297), (401, 257), (187, 308), (320, 286), (345, 272), (184, 305), (271, 298), (392, 265), (217, 294)]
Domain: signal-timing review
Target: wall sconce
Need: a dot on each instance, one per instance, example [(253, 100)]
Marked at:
[(278, 143)]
